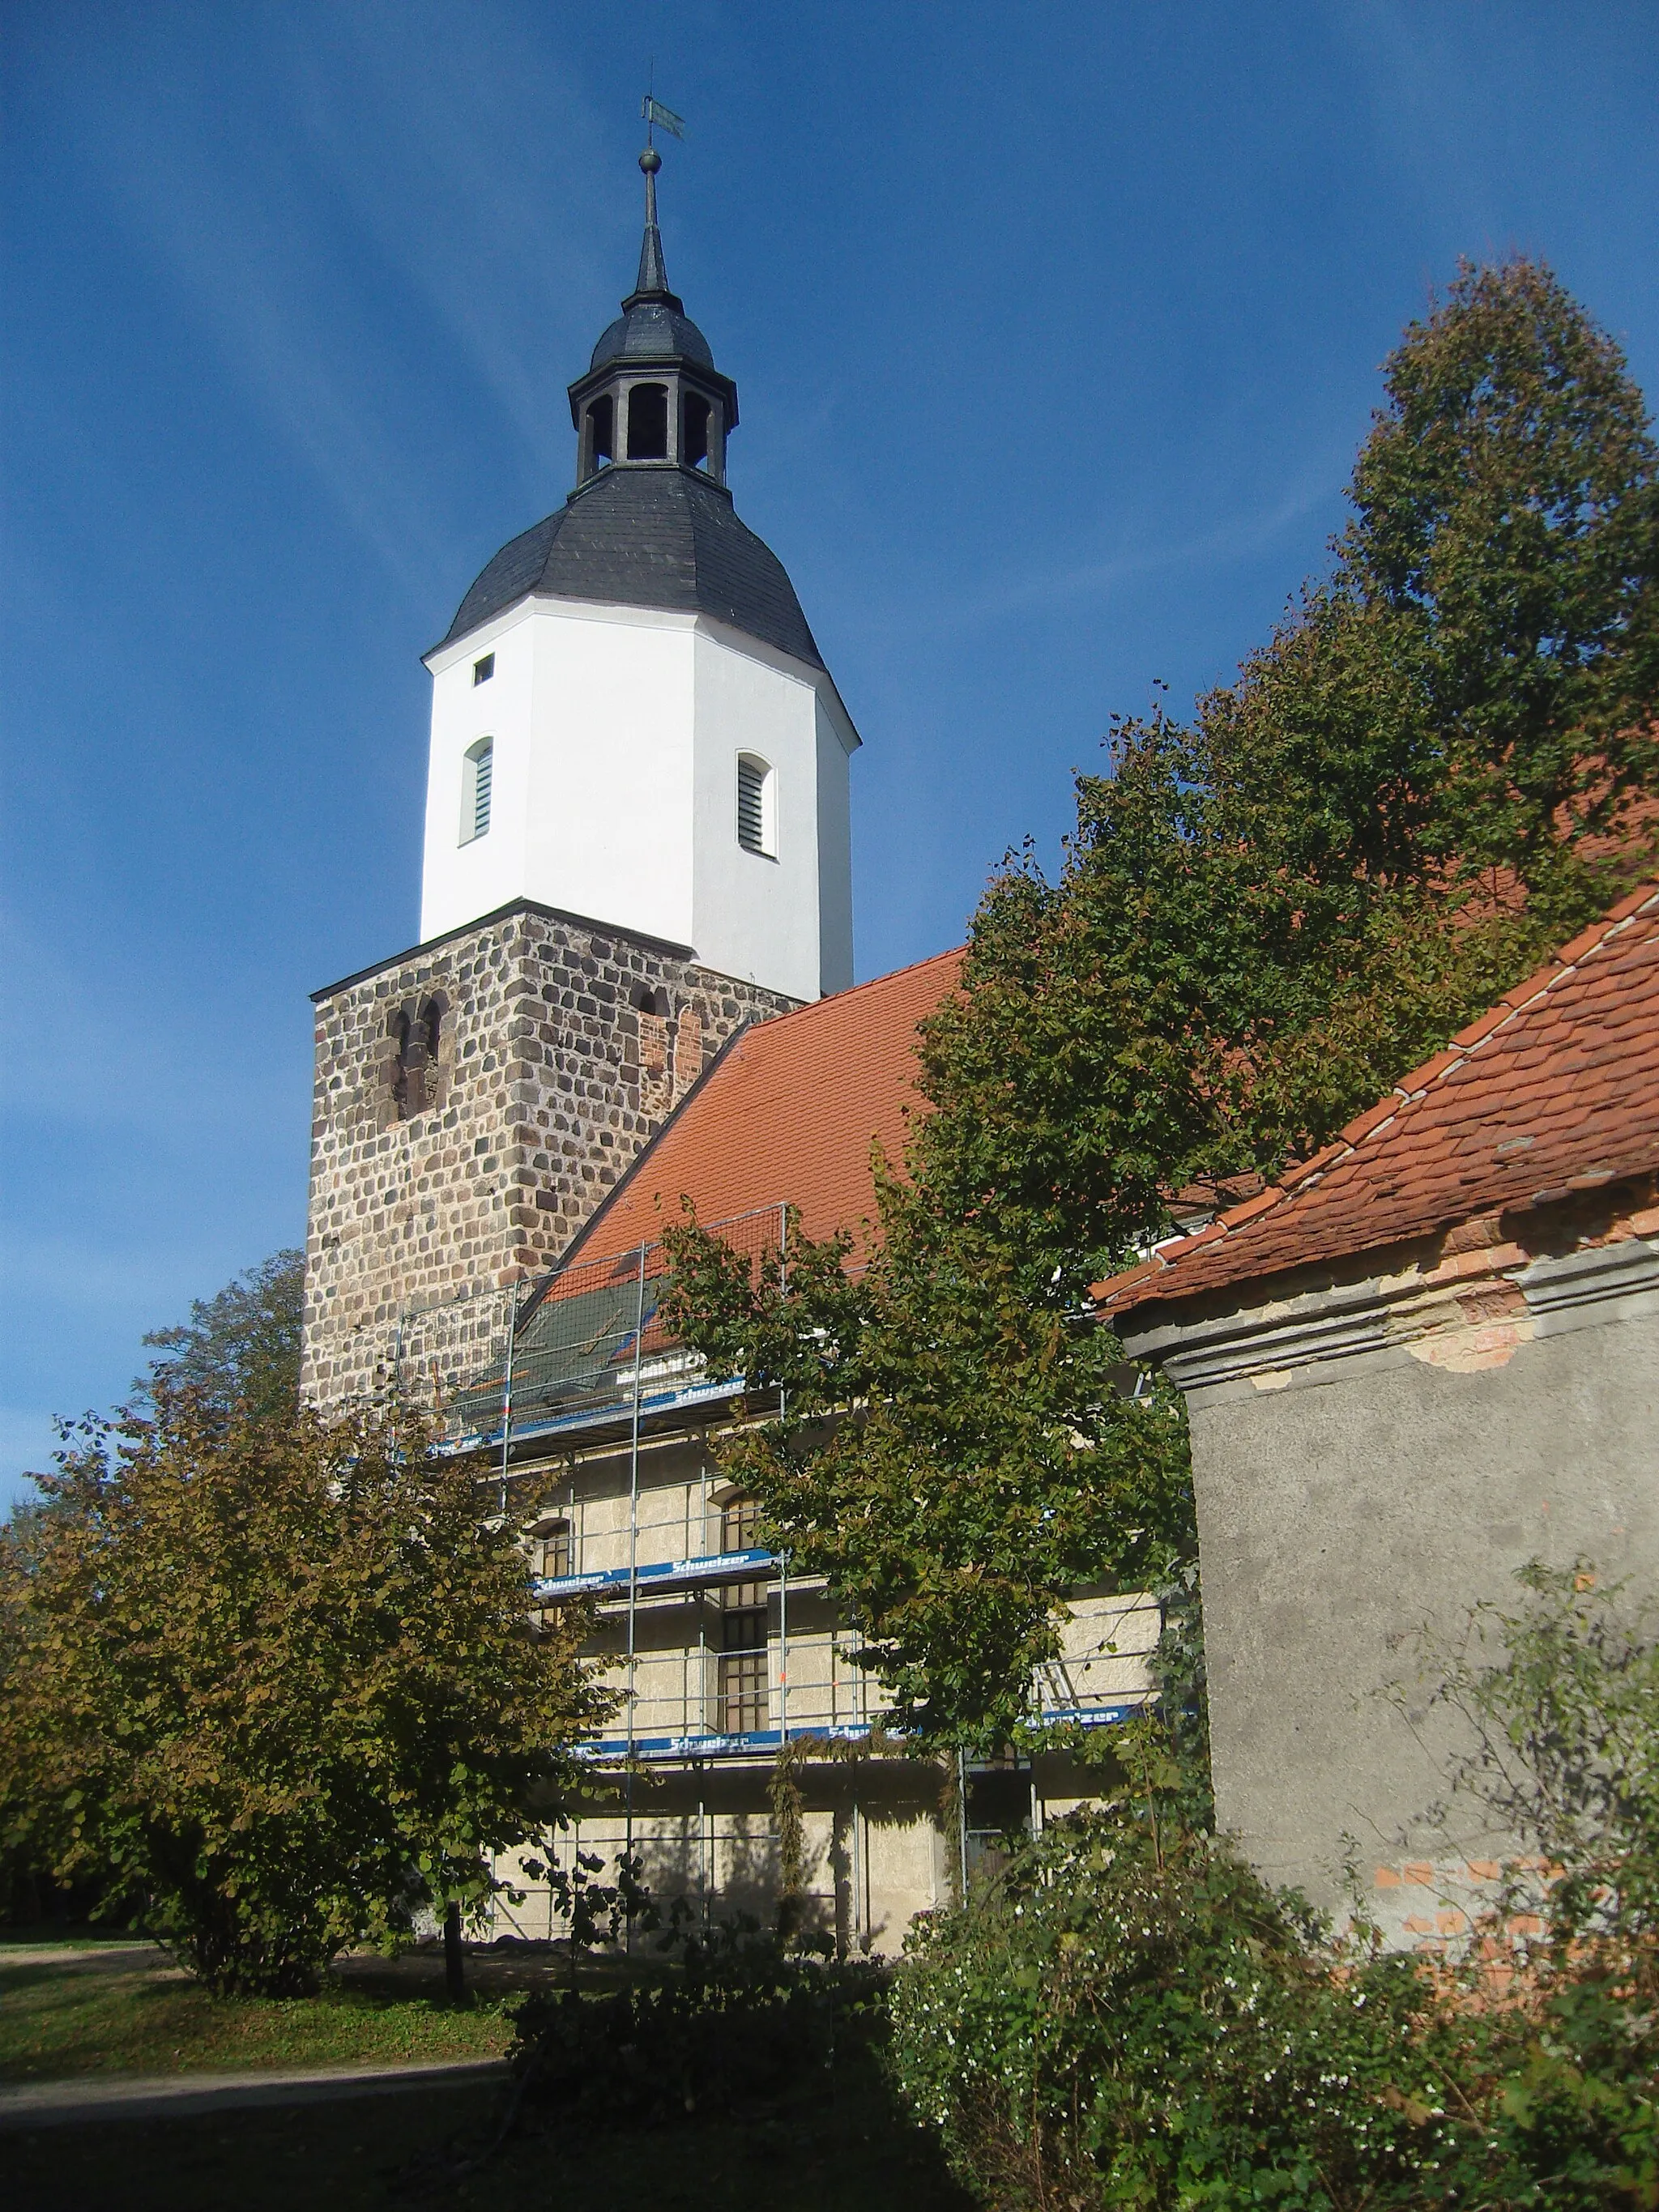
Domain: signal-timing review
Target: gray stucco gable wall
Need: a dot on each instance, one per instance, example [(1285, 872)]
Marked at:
[(1376, 1450)]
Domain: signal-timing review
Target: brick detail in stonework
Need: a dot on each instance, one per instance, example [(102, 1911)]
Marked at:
[(475, 1101)]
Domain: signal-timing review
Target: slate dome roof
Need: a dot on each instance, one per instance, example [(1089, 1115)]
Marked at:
[(653, 330), (649, 536)]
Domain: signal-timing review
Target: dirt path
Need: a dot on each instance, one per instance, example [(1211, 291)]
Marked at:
[(25, 2105), (88, 1958)]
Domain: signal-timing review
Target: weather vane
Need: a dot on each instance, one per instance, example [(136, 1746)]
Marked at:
[(657, 117)]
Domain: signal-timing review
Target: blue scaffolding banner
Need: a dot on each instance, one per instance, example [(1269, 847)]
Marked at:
[(659, 1574), (751, 1743)]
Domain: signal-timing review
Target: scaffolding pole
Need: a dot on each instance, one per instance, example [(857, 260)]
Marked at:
[(962, 1823), (506, 1392), (859, 1872), (783, 1559), (783, 1646), (634, 1551)]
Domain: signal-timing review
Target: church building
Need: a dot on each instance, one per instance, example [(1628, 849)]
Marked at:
[(634, 984)]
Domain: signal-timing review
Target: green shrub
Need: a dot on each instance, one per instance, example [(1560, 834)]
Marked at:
[(1564, 1737), (1126, 2017), (732, 2025)]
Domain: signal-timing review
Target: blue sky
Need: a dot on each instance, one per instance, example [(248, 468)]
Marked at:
[(1056, 329)]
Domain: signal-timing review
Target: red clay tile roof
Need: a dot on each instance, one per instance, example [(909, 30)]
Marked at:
[(1556, 1089), (786, 1116)]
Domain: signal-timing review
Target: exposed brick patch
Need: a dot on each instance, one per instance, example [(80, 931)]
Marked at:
[(688, 1051), (1477, 1908), (1477, 1235)]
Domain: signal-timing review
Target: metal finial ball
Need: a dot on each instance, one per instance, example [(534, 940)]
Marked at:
[(651, 160)]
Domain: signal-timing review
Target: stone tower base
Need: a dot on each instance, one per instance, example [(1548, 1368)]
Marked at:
[(476, 1100)]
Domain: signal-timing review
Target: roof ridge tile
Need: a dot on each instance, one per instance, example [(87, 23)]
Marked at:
[(1536, 984), (839, 997)]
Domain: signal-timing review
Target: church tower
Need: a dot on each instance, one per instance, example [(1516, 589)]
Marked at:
[(636, 844), (630, 718)]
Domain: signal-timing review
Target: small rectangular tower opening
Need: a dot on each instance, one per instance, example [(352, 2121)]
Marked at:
[(755, 807)]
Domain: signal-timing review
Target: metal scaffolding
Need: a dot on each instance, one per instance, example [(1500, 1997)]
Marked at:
[(581, 1366), (583, 1350)]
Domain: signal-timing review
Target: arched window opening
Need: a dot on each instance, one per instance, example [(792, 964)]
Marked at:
[(651, 1008), (601, 434), (694, 431), (415, 1071), (401, 1031), (648, 422), (428, 1037), (742, 1680), (477, 775), (756, 808)]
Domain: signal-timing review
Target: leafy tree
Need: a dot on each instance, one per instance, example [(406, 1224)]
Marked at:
[(1443, 763), (275, 1681), (242, 1346), (950, 1456), (1506, 530)]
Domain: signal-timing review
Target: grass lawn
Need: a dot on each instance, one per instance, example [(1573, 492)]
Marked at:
[(49, 1932), (58, 2018), (837, 2149)]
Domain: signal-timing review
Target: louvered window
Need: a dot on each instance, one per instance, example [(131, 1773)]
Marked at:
[(754, 805), (477, 772)]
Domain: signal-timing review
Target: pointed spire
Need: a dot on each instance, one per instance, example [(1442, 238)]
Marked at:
[(653, 274)]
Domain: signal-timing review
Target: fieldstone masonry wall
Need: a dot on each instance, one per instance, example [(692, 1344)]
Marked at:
[(475, 1099)]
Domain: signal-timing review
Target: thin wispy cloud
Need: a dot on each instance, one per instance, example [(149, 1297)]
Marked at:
[(149, 1080), (505, 255), (259, 306), (225, 223), (1233, 538), (1423, 87)]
